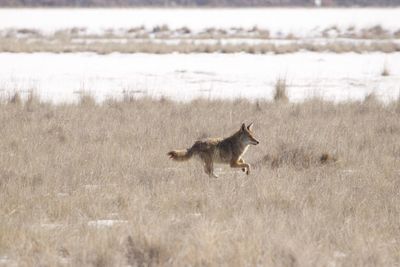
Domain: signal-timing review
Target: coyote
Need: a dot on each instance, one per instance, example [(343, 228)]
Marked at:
[(219, 150)]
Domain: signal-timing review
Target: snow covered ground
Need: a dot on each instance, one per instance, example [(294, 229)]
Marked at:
[(302, 21), (338, 77)]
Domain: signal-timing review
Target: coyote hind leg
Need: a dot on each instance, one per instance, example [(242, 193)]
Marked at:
[(209, 168)]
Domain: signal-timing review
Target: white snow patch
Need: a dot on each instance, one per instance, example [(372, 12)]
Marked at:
[(339, 254), (183, 77), (105, 223), (4, 259)]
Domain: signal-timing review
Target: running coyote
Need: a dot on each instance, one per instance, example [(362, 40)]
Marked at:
[(219, 150)]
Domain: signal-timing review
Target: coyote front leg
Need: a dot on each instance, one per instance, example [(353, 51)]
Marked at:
[(241, 164), (242, 161)]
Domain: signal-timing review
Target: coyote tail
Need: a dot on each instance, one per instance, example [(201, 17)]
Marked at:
[(180, 155)]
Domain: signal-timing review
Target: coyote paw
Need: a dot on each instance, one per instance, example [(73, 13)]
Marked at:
[(243, 169), (248, 171)]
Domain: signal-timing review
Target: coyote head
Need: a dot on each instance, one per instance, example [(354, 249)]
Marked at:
[(246, 135)]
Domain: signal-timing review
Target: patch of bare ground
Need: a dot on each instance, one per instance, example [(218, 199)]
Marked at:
[(324, 188)]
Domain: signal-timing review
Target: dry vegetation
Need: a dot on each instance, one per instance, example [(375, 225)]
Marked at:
[(324, 190), (184, 46), (162, 40), (385, 70), (280, 91)]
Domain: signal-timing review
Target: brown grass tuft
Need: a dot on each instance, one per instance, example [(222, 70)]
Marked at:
[(371, 99), (385, 70), (326, 158), (32, 101), (297, 157), (280, 92), (86, 99), (397, 104), (15, 99), (141, 257)]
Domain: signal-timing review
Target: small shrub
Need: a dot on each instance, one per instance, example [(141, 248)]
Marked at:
[(375, 32), (184, 30), (162, 28), (280, 94), (326, 158), (28, 31), (15, 99), (297, 157), (32, 101), (385, 70), (370, 98), (398, 105), (87, 100)]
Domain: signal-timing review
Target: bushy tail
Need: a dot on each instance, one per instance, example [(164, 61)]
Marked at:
[(180, 155)]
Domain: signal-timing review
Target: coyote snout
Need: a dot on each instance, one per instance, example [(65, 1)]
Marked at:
[(218, 150)]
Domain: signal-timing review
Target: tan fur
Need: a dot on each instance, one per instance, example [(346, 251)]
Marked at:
[(218, 150)]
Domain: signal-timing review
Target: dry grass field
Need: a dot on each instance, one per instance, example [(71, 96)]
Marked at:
[(324, 188)]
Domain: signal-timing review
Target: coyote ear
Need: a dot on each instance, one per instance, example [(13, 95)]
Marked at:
[(243, 127), (250, 126)]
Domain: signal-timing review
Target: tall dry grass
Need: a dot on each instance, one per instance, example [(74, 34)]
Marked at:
[(324, 190), (280, 91), (385, 70)]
